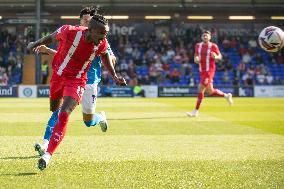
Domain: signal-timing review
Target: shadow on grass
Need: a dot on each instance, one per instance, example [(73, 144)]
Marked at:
[(18, 174), (21, 157)]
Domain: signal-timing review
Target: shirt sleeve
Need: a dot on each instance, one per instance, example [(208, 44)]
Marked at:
[(103, 47), (61, 32), (216, 49)]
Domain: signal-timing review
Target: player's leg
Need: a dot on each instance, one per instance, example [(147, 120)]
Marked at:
[(72, 96), (41, 148), (214, 92), (54, 108), (89, 106), (218, 93), (59, 130), (201, 89), (56, 94), (200, 96)]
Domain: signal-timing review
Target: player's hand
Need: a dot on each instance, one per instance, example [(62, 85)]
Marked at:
[(197, 59), (41, 49), (31, 45), (213, 55), (119, 81)]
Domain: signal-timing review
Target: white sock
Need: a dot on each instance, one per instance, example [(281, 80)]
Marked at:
[(45, 144), (46, 157)]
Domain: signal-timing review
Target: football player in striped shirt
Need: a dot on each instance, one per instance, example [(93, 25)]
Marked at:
[(206, 53)]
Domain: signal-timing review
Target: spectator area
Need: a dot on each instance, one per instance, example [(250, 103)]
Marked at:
[(163, 58)]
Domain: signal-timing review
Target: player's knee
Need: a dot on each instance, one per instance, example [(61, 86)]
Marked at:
[(66, 109), (86, 110), (69, 105), (53, 109), (70, 109), (210, 92), (54, 105)]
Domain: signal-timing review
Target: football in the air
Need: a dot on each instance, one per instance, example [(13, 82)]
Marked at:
[(271, 39)]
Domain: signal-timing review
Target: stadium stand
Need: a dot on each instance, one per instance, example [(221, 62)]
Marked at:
[(147, 58), (166, 60), (11, 57)]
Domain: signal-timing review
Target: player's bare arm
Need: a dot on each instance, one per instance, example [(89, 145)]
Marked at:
[(216, 56), (106, 59), (113, 60), (44, 49), (42, 41)]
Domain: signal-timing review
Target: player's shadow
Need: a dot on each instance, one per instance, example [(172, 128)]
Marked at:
[(19, 157), (18, 174), (145, 118)]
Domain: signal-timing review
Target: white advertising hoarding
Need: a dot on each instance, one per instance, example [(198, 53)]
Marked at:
[(27, 91), (151, 91), (269, 91)]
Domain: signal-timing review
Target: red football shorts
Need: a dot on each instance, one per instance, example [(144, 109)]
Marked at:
[(206, 78), (60, 88)]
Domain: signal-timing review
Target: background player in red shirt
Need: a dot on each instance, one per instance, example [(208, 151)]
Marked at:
[(76, 49), (206, 53)]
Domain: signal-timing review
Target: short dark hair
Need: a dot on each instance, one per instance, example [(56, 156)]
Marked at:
[(88, 10), (93, 11), (100, 18), (206, 31)]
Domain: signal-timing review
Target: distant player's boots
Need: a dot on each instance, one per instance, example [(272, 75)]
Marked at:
[(43, 161), (194, 113), (103, 123), (229, 98), (40, 149)]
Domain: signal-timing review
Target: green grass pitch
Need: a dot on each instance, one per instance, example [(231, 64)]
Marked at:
[(150, 144)]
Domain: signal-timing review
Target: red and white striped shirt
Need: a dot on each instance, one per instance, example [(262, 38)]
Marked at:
[(74, 53), (204, 51)]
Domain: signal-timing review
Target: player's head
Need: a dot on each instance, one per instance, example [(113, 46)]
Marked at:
[(86, 15), (206, 36), (98, 27)]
